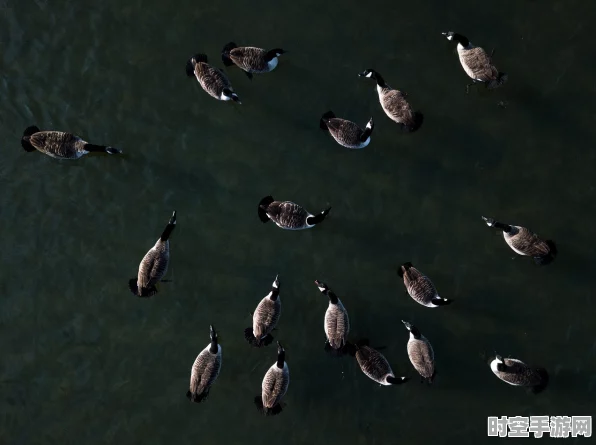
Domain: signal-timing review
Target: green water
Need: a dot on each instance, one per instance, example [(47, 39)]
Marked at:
[(86, 362)]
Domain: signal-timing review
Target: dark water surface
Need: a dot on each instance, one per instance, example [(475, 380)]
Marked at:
[(85, 362)]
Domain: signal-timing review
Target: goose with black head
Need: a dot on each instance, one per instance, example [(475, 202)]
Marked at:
[(394, 103), (288, 215), (346, 133), (420, 288), (154, 264), (476, 62), (420, 353), (265, 318), (212, 79), (251, 59), (275, 385), (517, 373), (525, 242), (205, 369), (61, 145), (337, 322)]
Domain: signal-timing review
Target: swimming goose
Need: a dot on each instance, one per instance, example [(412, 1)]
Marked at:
[(476, 63), (212, 79), (375, 366), (420, 288), (421, 353), (250, 59), (274, 386), (205, 369), (525, 242), (517, 373), (265, 318), (394, 103), (337, 322), (347, 133), (60, 145), (288, 215), (154, 264)]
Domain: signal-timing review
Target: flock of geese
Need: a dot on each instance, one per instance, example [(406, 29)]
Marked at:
[(288, 215)]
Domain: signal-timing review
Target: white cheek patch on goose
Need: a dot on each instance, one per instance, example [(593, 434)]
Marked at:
[(369, 75)]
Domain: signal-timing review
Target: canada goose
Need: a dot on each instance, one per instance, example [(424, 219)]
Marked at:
[(154, 264), (60, 145), (288, 215), (420, 288), (250, 59), (274, 386), (347, 133), (265, 318), (421, 353), (525, 242), (476, 63), (394, 103), (517, 373), (212, 79), (375, 366), (205, 369), (337, 322)]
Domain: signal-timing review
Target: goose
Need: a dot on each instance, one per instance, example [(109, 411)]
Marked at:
[(517, 373), (525, 242), (250, 59), (476, 63), (337, 322), (346, 133), (375, 366), (275, 385), (421, 353), (265, 318), (154, 264), (205, 369), (212, 79), (394, 103), (61, 145), (288, 215), (420, 288)]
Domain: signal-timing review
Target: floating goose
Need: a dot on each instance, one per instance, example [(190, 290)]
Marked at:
[(337, 322), (420, 288), (274, 386), (288, 215), (517, 373), (154, 264), (525, 242), (265, 318), (421, 353), (394, 103), (476, 63), (212, 80), (205, 369), (250, 59), (60, 145), (347, 133), (375, 366)]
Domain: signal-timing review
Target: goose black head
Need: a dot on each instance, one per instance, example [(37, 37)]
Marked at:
[(230, 95), (370, 73), (413, 329), (322, 286), (490, 222), (457, 37), (213, 334), (281, 355)]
